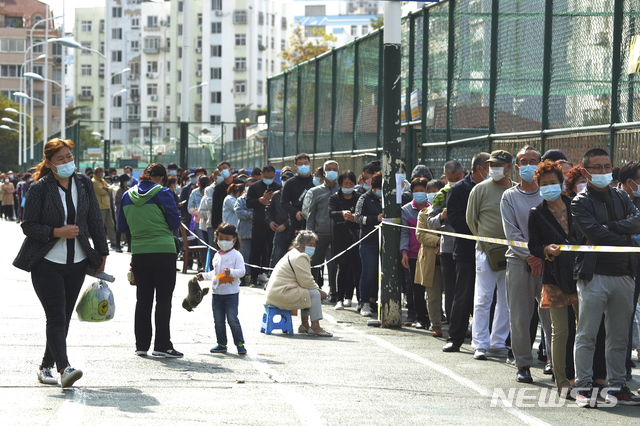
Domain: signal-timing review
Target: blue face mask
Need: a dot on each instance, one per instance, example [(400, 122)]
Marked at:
[(310, 251), (304, 170), (347, 191), (420, 197), (526, 172), (225, 173), (219, 179), (316, 181), (403, 176), (551, 192), (194, 180), (636, 193), (366, 187), (332, 176), (602, 181), (283, 182), (379, 193), (431, 196), (173, 173), (65, 170), (267, 181)]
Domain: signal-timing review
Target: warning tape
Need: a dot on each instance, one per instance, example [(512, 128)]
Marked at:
[(563, 247)]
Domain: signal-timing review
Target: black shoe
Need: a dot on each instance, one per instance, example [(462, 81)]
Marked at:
[(548, 369), (583, 399), (450, 347), (118, 250), (409, 321), (629, 376), (169, 353), (332, 299)]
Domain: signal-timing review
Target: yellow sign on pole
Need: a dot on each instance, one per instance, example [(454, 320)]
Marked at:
[(634, 56)]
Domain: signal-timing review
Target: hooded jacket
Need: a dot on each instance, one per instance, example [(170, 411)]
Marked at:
[(149, 213)]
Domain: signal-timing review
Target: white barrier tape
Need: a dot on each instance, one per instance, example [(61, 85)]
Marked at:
[(563, 247)]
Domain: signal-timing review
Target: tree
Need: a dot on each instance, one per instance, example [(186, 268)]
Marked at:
[(9, 139), (72, 114), (301, 48), (377, 22)]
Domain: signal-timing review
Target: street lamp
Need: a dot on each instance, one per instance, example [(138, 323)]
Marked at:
[(8, 120), (5, 127), (198, 85)]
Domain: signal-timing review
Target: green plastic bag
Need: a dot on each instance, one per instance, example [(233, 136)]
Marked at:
[(96, 303)]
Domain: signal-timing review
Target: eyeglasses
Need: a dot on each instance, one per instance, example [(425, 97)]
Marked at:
[(598, 168)]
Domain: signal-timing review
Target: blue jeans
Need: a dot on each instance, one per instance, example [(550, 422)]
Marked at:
[(226, 306), (369, 277), (280, 245)]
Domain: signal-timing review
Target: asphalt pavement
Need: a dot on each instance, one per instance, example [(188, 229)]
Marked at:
[(363, 375)]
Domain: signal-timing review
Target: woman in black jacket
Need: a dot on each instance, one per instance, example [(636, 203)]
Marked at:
[(61, 213), (543, 243), (342, 208), (368, 216)]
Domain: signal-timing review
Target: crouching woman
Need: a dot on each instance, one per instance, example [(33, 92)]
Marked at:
[(291, 285)]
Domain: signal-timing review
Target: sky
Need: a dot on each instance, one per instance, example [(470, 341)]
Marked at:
[(70, 7)]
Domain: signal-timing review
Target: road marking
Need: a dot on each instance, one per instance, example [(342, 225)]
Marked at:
[(526, 418), (306, 412)]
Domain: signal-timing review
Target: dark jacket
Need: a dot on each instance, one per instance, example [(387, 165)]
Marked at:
[(463, 250), (43, 211), (185, 193), (540, 235), (344, 233), (217, 202), (292, 197), (590, 216), (254, 193), (368, 208), (274, 211)]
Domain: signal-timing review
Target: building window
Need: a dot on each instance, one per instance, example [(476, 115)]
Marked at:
[(152, 43), (241, 64), (261, 18), (152, 21), (216, 97), (117, 101), (102, 47), (259, 87), (167, 111), (85, 26), (135, 45), (199, 18), (117, 123), (57, 49), (215, 119), (116, 12), (133, 112), (365, 29), (135, 23), (259, 64), (239, 16), (199, 66), (116, 79), (216, 73), (38, 46), (272, 66), (216, 28), (179, 52), (241, 39), (180, 6), (283, 45), (39, 69), (9, 70), (168, 89), (116, 56), (135, 91), (315, 11), (216, 4), (152, 89), (85, 70), (273, 39), (116, 33), (284, 23), (216, 50), (239, 86), (102, 25), (86, 45), (152, 66), (135, 68), (312, 30), (179, 75), (152, 112), (13, 44), (259, 40), (102, 91), (57, 74), (354, 30), (101, 71), (101, 113), (85, 91), (273, 19), (179, 29)]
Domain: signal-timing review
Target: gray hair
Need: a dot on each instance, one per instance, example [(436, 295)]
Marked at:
[(452, 166), (303, 238), (479, 160)]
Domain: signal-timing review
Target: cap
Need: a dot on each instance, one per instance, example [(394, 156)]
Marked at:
[(500, 156), (287, 175), (554, 155), (324, 166)]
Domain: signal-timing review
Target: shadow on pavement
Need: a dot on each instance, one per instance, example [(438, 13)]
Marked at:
[(130, 400)]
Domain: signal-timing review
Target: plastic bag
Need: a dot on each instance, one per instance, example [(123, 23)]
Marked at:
[(96, 303)]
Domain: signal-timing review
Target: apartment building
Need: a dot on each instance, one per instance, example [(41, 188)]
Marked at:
[(22, 43)]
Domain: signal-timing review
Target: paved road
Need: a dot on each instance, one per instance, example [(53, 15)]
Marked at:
[(363, 375)]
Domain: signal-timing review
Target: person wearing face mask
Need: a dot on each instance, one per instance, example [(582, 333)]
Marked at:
[(194, 203), (8, 190), (103, 192), (418, 171), (245, 222), (292, 286), (206, 204), (368, 215), (463, 253), (294, 192), (524, 271), (629, 177), (148, 214), (367, 172), (315, 208), (604, 216), (172, 170), (258, 197), (220, 192), (484, 220), (278, 220), (129, 171), (61, 214), (409, 247)]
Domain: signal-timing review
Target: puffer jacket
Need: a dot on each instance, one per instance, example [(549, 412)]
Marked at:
[(245, 216), (368, 209)]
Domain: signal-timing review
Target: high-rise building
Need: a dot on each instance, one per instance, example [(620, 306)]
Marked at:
[(22, 44)]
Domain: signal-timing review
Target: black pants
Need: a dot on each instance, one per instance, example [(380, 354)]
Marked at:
[(7, 211), (261, 245), (154, 273), (57, 286), (416, 295), (323, 243), (348, 279), (448, 266), (462, 301)]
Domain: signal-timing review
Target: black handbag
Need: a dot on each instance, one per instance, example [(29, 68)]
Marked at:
[(562, 266)]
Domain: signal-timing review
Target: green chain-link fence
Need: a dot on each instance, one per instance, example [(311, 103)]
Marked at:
[(485, 74)]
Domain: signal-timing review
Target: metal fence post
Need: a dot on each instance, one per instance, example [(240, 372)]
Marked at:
[(410, 145), (334, 100), (184, 145), (450, 61), (618, 14), (546, 70), (284, 113), (493, 73), (631, 90), (425, 82), (380, 86), (298, 110), (316, 108), (356, 93)]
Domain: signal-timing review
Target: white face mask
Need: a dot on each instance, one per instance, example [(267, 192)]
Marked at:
[(581, 186), (496, 173), (226, 245), (6, 180)]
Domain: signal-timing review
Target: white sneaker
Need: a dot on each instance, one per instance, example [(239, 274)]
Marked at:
[(366, 310), (69, 376), (339, 306), (347, 303), (480, 354), (263, 277), (45, 376)]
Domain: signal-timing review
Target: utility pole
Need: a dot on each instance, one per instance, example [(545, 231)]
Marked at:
[(184, 101), (390, 277)]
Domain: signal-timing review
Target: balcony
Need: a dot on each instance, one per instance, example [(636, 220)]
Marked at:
[(85, 97), (153, 28), (151, 50)]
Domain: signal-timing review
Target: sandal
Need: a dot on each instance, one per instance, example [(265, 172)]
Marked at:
[(322, 333)]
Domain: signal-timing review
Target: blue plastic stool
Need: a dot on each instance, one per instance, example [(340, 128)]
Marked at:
[(268, 325)]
